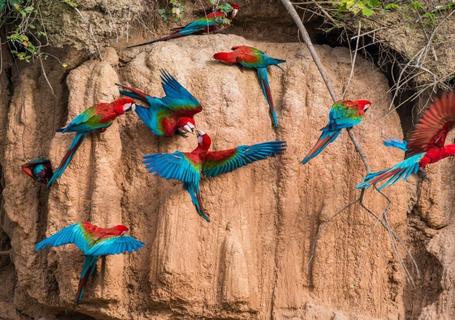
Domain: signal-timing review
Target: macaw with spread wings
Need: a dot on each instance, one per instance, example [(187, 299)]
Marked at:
[(188, 167), (426, 144), (94, 242)]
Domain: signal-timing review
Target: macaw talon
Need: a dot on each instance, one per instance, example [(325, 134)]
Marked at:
[(423, 174)]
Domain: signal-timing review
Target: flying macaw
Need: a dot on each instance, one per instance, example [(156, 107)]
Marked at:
[(188, 167), (39, 169), (93, 242), (169, 115), (252, 58), (425, 145), (212, 23), (343, 115), (94, 119)]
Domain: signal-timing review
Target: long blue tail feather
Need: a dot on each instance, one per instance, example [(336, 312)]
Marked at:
[(396, 143), (67, 158), (88, 268)]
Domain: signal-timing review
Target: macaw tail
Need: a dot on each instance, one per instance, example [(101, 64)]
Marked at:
[(165, 38), (197, 201), (401, 170), (132, 92), (67, 158), (395, 143), (88, 268), (265, 86), (326, 138)]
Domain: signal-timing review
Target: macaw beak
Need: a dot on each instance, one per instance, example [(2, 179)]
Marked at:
[(234, 13), (129, 107)]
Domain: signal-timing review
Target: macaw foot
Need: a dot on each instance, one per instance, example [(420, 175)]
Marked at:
[(423, 174), (242, 69)]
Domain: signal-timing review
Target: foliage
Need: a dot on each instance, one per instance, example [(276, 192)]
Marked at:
[(22, 21), (175, 10), (368, 7)]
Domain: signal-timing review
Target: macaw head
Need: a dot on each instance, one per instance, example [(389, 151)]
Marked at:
[(123, 104), (38, 169), (203, 139), (226, 57), (121, 229), (185, 125), (235, 9), (362, 105)]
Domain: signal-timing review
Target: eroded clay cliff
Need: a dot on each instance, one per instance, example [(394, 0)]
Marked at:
[(278, 246), (275, 247)]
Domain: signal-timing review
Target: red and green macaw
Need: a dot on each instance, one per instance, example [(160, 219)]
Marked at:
[(343, 115), (169, 115), (93, 242), (94, 119), (212, 23), (252, 58), (39, 169), (188, 167), (426, 145)]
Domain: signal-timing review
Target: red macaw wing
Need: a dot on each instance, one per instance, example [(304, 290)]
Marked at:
[(432, 129), (220, 162)]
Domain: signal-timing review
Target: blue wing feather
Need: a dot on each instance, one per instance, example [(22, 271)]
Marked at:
[(243, 156), (115, 245), (73, 233), (173, 166)]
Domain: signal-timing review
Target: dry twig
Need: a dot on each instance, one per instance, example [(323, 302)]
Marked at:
[(383, 220)]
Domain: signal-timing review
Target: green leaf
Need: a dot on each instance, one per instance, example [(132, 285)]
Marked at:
[(391, 6)]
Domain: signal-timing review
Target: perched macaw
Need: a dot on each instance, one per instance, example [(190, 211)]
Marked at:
[(212, 23), (252, 58), (188, 167), (343, 115), (93, 242), (169, 115), (39, 169), (425, 146), (94, 119)]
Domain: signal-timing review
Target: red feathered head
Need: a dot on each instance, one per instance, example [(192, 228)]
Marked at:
[(123, 104), (121, 228), (226, 57), (203, 139), (235, 9), (362, 104)]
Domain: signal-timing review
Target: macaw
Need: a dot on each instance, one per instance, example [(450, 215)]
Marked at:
[(188, 167), (425, 145), (343, 115), (169, 115), (94, 242), (94, 119), (39, 169), (252, 58), (212, 23)]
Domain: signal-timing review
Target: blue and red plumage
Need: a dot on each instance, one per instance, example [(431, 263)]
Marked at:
[(213, 22), (94, 242), (189, 167), (252, 58), (93, 119), (39, 169), (426, 144), (343, 115), (170, 115)]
